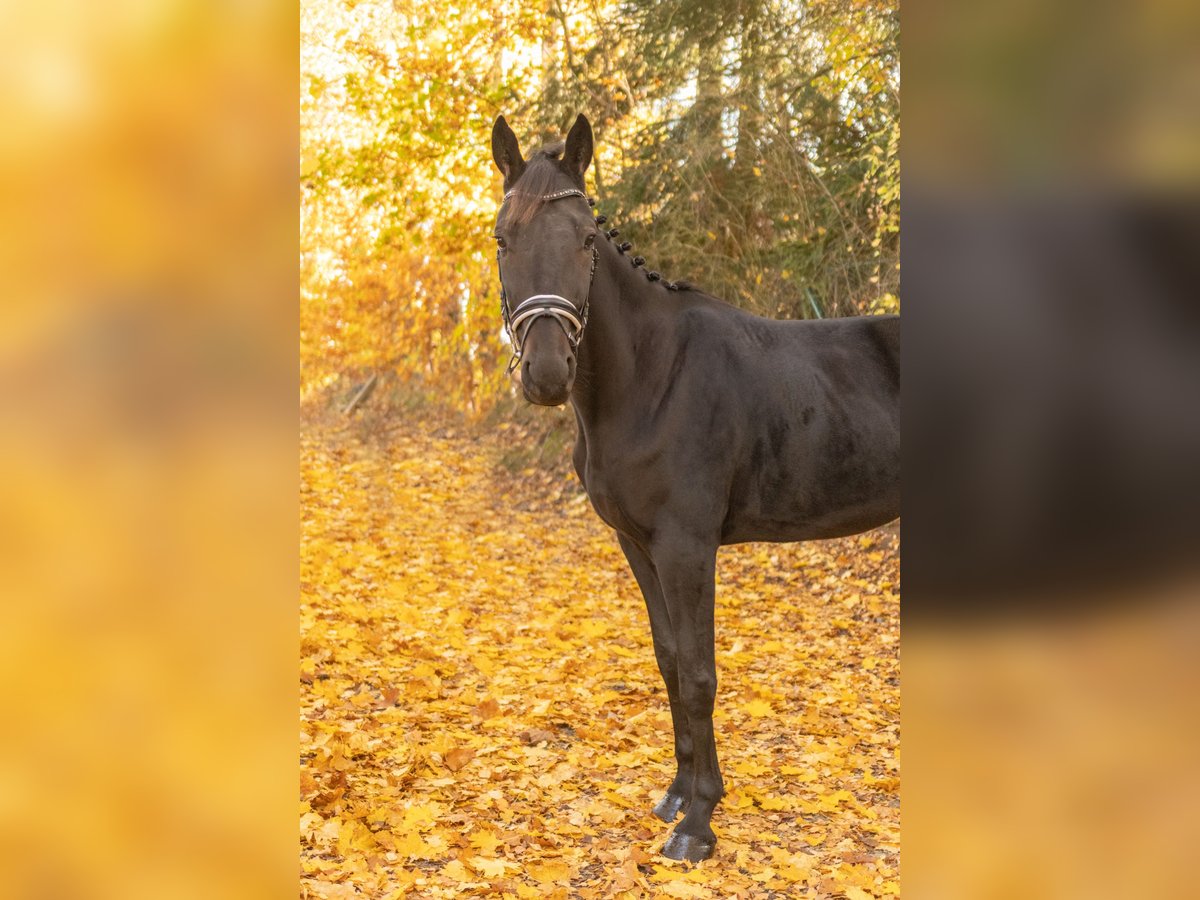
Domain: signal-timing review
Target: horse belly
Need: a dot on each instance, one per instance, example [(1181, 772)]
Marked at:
[(804, 527), (799, 523), (811, 495)]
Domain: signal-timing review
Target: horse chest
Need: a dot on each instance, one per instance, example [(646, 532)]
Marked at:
[(607, 501), (614, 499)]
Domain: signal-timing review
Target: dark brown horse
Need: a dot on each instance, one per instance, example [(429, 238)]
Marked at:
[(699, 425)]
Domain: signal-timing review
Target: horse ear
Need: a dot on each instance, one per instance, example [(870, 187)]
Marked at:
[(506, 152), (578, 153)]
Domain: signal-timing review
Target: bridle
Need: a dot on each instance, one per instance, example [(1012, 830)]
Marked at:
[(572, 320)]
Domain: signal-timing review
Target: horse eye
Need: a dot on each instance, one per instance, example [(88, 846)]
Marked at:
[(588, 241), (500, 242)]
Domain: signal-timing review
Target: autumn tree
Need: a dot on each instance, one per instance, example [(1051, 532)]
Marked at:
[(750, 146)]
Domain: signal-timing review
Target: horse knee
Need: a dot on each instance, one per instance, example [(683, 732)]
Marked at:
[(699, 693), (667, 658)]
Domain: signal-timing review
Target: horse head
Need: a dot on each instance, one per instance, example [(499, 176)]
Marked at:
[(545, 239)]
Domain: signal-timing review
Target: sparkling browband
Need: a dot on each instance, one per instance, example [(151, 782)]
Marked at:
[(557, 195)]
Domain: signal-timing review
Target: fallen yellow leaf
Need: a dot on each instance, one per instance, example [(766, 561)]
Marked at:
[(757, 708)]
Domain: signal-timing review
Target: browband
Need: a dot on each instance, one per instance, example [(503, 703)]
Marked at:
[(557, 195)]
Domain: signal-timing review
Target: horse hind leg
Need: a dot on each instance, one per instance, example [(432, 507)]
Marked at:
[(679, 794)]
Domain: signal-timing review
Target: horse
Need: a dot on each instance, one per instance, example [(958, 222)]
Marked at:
[(698, 425)]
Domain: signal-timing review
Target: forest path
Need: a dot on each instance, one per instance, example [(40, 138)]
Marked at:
[(481, 712)]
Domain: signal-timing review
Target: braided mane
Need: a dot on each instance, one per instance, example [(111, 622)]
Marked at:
[(536, 187)]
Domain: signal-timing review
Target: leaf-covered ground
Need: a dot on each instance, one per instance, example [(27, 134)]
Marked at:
[(481, 712)]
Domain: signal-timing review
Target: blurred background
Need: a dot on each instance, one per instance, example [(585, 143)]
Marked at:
[(152, 308), (748, 146), (147, 449), (1051, 249)]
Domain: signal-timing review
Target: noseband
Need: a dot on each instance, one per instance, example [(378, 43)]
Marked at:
[(518, 320)]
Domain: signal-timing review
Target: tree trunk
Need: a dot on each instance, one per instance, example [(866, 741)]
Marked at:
[(750, 87), (709, 106)]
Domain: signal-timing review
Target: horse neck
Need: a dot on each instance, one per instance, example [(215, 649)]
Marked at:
[(622, 318)]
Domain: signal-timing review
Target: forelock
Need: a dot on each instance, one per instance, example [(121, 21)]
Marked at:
[(543, 175)]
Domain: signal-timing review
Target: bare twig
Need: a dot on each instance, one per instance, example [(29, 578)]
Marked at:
[(363, 393)]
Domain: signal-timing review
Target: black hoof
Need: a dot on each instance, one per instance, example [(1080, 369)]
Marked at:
[(669, 806), (686, 846)]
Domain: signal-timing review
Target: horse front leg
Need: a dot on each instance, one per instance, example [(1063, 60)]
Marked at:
[(686, 570), (679, 794)]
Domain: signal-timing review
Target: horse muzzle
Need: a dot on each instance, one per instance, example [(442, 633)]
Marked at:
[(548, 374)]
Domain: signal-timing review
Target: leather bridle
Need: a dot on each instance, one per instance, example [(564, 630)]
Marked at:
[(571, 319)]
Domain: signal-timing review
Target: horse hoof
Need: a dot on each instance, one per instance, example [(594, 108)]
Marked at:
[(689, 847), (669, 806)]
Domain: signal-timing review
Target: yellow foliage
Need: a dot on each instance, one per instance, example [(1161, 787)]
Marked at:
[(757, 708), (481, 711)]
